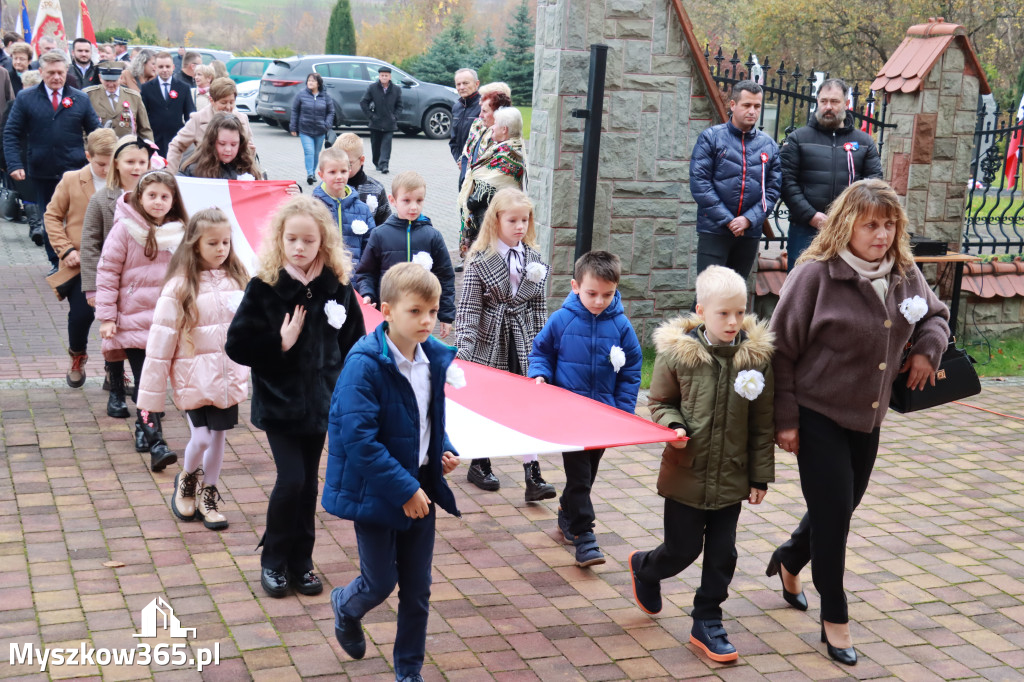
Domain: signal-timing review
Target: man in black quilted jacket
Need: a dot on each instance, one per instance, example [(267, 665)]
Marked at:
[(819, 161)]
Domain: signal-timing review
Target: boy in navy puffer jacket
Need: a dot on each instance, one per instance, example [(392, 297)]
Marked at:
[(588, 347), (387, 458), (352, 216)]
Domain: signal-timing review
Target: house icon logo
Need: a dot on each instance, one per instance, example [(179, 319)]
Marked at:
[(159, 614)]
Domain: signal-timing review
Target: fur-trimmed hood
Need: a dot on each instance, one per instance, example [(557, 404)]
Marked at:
[(676, 340)]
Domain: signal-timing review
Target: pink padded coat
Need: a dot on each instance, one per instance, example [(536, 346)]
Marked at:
[(201, 374), (127, 283)]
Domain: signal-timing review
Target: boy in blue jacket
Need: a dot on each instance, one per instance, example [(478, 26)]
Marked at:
[(351, 215), (589, 347), (406, 236), (387, 457)]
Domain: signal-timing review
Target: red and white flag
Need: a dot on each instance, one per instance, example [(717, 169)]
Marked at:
[(84, 28), (1013, 150), (496, 414), (50, 23)]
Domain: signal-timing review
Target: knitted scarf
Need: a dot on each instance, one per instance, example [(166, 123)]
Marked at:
[(877, 273)]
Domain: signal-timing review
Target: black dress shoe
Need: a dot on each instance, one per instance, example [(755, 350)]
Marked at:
[(846, 656), (797, 601), (307, 583), (117, 408), (141, 441), (310, 179), (350, 636), (274, 583)]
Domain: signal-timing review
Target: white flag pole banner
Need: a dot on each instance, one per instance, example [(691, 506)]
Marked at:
[(50, 22), (496, 414)]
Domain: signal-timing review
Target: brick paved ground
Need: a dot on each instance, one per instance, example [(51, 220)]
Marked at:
[(936, 561)]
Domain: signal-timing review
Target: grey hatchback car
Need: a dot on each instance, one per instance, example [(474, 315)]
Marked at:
[(426, 107)]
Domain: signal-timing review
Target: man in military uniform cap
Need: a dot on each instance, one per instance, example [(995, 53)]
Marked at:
[(118, 108), (121, 52)]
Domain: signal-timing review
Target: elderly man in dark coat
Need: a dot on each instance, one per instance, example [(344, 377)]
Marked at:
[(382, 104), (53, 118), (464, 112)]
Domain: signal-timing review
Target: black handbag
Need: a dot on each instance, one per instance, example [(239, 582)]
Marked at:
[(10, 209), (954, 380)]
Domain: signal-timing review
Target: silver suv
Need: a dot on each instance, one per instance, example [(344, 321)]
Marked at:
[(425, 106)]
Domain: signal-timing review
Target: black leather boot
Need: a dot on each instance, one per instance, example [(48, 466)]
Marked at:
[(35, 223), (141, 434), (116, 406), (537, 488), (160, 455)]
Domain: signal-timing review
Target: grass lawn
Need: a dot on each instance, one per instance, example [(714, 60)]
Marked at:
[(648, 367), (527, 113), (999, 358), (983, 205)]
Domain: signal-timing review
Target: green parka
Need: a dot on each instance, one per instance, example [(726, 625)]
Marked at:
[(732, 439)]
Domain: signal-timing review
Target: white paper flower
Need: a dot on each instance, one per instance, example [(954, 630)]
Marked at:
[(359, 227), (336, 314), (234, 299), (423, 258), (371, 201), (749, 383), (536, 272), (246, 176), (914, 309), (617, 358), (455, 377)]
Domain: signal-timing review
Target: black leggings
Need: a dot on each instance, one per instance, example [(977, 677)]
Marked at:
[(291, 511), (835, 468), (80, 317), (136, 358)]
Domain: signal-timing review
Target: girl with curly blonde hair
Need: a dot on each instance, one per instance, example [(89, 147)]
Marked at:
[(296, 323)]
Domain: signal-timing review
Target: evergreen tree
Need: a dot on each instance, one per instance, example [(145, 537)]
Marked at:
[(483, 58), (516, 68), (341, 31), (451, 50)]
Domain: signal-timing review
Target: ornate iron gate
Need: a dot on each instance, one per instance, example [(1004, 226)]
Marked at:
[(994, 216)]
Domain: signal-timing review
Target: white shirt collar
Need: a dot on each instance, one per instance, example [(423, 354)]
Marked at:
[(731, 343), (400, 359), (49, 92), (504, 248)]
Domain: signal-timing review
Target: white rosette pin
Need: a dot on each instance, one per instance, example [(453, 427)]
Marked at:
[(749, 383), (336, 314), (423, 258), (359, 227), (914, 309), (536, 272), (455, 376), (617, 357)]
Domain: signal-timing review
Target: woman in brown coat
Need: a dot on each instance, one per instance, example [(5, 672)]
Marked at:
[(63, 219), (845, 314)]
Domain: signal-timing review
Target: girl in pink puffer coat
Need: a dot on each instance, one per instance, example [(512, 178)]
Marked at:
[(186, 344), (148, 226)]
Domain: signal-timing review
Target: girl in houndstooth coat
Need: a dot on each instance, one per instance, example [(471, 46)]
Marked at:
[(502, 308)]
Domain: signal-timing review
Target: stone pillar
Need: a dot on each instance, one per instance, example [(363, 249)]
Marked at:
[(935, 111), (656, 104)]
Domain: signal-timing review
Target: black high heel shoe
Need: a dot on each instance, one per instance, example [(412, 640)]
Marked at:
[(846, 656), (797, 601)]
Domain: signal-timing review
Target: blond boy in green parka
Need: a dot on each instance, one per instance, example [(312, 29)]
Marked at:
[(712, 382)]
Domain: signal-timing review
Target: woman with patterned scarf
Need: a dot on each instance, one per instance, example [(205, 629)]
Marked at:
[(501, 165)]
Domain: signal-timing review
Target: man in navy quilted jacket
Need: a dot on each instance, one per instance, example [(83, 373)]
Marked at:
[(735, 178)]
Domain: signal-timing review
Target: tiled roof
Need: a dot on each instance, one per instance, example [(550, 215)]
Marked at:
[(988, 280), (910, 64)]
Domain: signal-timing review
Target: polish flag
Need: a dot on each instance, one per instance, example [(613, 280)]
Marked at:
[(249, 205), (84, 28), (496, 414)]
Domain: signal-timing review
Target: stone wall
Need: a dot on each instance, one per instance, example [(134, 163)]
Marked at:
[(655, 106), (929, 152)]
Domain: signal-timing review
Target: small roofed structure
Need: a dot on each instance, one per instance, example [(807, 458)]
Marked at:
[(909, 66)]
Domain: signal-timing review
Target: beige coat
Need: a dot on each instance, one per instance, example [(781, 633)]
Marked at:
[(193, 132), (120, 121), (66, 211), (201, 373)]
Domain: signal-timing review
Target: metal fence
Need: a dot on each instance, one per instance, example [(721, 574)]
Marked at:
[(994, 215), (789, 100)]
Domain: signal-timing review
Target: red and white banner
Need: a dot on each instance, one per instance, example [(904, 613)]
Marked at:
[(50, 23), (496, 414), (84, 28), (1013, 150)]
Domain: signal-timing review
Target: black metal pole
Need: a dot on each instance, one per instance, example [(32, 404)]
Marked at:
[(591, 148)]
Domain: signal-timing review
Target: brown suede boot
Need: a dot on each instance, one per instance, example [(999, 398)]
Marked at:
[(76, 375)]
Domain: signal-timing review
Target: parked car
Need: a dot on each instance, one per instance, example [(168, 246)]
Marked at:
[(209, 54), (426, 107), (246, 100), (242, 69)]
